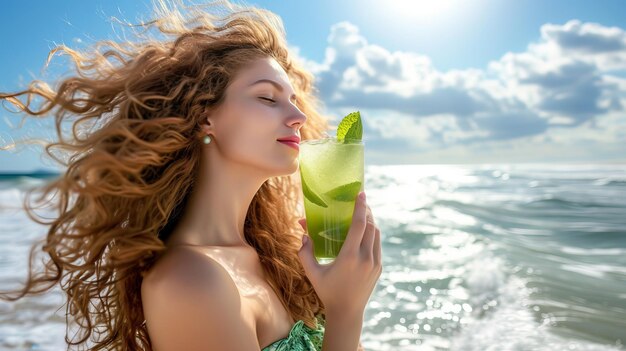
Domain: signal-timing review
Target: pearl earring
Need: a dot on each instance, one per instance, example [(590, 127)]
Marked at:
[(207, 139)]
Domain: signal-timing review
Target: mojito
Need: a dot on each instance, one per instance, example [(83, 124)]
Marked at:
[(331, 172)]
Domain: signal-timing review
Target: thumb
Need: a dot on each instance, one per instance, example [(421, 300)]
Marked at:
[(306, 257)]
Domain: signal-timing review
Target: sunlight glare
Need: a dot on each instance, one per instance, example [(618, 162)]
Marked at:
[(420, 8)]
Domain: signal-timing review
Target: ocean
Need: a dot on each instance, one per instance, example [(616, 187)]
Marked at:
[(476, 257)]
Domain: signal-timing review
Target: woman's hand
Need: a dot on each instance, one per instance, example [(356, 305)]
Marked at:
[(345, 285)]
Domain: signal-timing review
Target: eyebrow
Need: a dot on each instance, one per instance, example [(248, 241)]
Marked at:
[(277, 85)]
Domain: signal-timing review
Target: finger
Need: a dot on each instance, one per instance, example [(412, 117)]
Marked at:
[(302, 222), (377, 248), (357, 227), (372, 216), (368, 237)]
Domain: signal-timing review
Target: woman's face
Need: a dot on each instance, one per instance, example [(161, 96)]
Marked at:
[(254, 115)]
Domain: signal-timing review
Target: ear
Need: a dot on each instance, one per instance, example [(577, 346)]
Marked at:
[(208, 123), (207, 126)]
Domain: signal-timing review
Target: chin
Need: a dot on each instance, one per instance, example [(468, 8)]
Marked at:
[(281, 164), (290, 168)]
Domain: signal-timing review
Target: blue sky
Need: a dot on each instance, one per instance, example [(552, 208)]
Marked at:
[(436, 82)]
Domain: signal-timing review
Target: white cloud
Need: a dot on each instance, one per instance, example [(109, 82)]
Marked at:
[(560, 88), (606, 46)]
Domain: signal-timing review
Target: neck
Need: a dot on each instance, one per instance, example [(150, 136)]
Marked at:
[(216, 210)]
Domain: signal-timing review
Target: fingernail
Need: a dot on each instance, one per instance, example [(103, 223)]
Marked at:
[(305, 239), (362, 195)]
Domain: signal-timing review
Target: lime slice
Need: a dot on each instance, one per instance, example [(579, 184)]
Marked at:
[(335, 234), (331, 235), (346, 192), (350, 127), (311, 195)]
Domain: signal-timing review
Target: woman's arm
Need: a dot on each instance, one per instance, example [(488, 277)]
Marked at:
[(346, 284), (343, 330), (359, 348)]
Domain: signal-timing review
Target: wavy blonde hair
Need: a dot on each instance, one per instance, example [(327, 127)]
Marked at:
[(128, 175)]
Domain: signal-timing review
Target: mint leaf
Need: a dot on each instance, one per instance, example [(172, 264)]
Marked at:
[(350, 127)]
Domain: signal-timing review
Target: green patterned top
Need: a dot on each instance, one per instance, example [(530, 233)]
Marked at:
[(301, 338)]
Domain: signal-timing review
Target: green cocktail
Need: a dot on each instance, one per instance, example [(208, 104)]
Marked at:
[(331, 171)]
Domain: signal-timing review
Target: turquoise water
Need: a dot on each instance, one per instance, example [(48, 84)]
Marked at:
[(485, 257)]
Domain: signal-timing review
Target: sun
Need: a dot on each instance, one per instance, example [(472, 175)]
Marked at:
[(420, 9)]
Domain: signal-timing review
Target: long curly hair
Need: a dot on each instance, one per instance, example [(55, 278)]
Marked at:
[(136, 108)]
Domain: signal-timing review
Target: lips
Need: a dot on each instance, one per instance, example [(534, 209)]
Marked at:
[(291, 141), (292, 138), (290, 144)]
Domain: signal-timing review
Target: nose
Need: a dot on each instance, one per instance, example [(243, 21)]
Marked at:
[(297, 119)]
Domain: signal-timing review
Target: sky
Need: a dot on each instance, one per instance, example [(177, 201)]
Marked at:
[(445, 82)]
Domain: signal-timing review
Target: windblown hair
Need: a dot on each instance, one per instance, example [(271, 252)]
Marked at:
[(129, 173)]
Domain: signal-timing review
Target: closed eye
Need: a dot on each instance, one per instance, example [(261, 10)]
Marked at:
[(268, 99)]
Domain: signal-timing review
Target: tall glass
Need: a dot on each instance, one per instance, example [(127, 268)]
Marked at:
[(331, 172)]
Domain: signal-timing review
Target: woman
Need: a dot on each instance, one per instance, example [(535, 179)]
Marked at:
[(178, 210)]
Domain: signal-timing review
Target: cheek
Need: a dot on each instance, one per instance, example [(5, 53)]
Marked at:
[(248, 133), (246, 137)]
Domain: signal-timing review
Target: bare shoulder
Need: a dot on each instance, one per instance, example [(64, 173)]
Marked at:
[(190, 302), (184, 269)]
